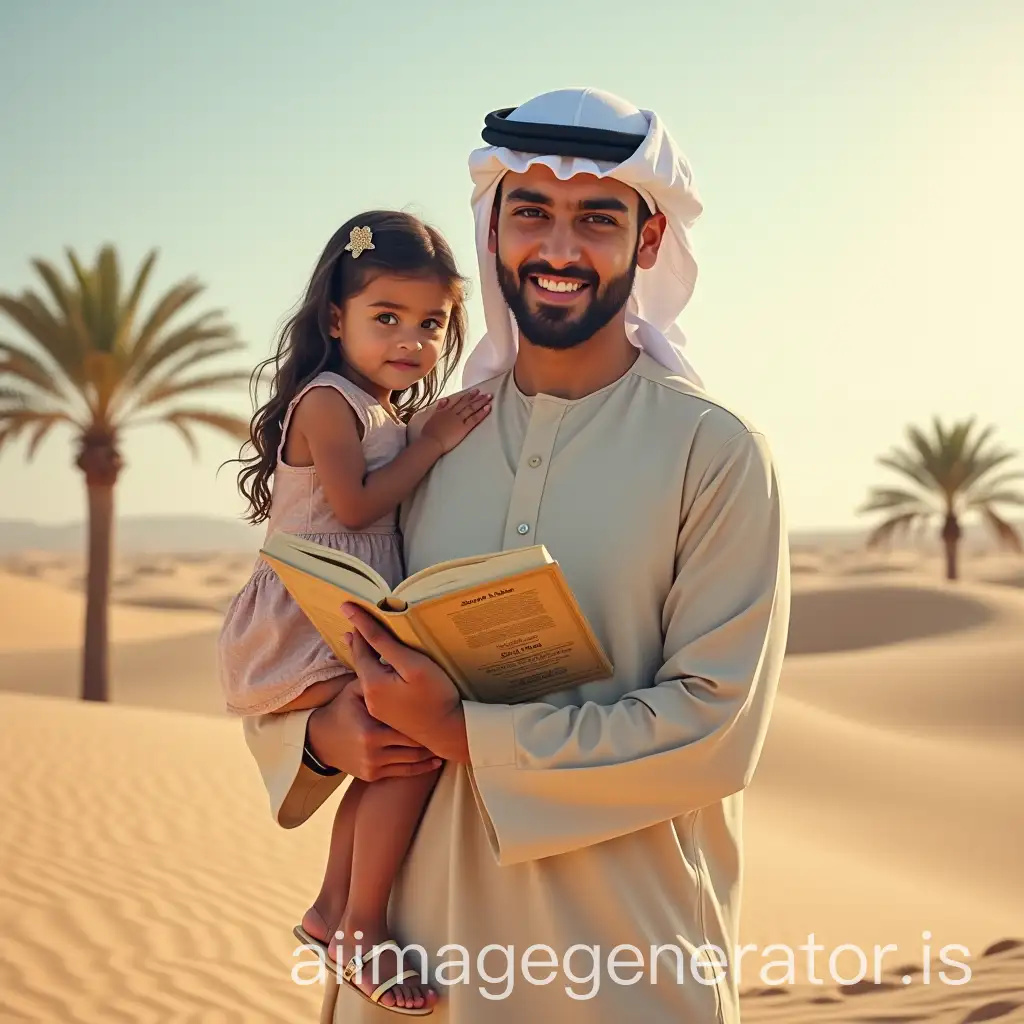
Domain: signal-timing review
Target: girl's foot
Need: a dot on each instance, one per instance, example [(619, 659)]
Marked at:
[(315, 925), (366, 934)]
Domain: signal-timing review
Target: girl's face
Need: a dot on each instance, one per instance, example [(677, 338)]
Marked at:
[(392, 333)]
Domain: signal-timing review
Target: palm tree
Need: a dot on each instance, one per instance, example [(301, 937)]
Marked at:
[(96, 364), (952, 475)]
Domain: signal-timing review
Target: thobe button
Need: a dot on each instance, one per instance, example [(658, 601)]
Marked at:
[(535, 461), (523, 528)]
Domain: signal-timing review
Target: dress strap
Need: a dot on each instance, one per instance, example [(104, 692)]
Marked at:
[(356, 396)]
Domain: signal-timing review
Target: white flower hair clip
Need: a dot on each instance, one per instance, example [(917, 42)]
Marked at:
[(359, 240)]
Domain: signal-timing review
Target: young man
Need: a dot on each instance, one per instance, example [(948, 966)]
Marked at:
[(581, 857)]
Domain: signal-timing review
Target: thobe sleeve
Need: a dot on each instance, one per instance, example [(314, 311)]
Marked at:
[(549, 780), (276, 742)]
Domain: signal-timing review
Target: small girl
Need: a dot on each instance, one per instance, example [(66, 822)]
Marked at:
[(379, 333)]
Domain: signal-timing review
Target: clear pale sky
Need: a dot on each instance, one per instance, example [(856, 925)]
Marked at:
[(861, 166)]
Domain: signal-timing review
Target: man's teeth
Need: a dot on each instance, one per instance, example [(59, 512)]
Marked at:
[(559, 286)]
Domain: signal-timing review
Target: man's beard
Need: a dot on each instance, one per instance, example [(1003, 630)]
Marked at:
[(550, 326)]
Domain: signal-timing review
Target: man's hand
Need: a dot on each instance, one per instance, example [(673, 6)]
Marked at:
[(343, 734), (406, 689)]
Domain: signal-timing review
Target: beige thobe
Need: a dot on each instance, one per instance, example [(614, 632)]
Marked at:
[(609, 815)]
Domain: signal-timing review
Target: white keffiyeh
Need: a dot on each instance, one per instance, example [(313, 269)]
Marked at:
[(657, 170)]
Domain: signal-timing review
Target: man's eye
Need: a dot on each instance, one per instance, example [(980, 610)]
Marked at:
[(598, 218), (529, 211), (380, 318)]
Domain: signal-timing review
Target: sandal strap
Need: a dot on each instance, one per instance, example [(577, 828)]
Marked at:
[(359, 961), (391, 983)]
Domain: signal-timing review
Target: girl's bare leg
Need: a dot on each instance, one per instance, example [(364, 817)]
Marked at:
[(388, 814), (322, 919)]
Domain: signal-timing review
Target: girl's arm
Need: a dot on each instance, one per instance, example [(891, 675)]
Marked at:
[(326, 432)]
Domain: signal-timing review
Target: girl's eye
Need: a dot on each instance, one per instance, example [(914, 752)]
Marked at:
[(380, 318), (437, 325)]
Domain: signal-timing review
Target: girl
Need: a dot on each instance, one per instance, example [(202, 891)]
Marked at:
[(379, 333)]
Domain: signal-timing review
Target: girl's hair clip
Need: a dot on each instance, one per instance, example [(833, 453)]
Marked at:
[(359, 240)]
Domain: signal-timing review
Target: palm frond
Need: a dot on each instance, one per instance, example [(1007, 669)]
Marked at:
[(236, 427), (1005, 478), (130, 305), (1005, 532), (65, 300), (169, 305), (104, 375), (14, 398), (179, 344), (925, 458), (183, 419), (85, 293), (996, 497), (887, 530), (885, 498), (15, 421), (108, 293), (983, 464), (187, 356), (25, 367), (53, 336), (173, 386), (902, 463), (88, 363), (44, 424)]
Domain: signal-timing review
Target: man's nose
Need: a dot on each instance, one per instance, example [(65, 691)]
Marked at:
[(560, 246)]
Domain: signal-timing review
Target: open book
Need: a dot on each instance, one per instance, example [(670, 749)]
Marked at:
[(505, 626)]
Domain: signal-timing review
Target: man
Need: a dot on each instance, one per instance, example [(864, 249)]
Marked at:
[(581, 857)]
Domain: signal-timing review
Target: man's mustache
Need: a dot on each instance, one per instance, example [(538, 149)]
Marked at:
[(538, 269)]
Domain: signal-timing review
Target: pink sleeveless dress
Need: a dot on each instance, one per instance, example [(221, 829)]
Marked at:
[(268, 650)]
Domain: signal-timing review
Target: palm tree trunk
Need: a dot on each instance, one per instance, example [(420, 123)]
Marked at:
[(100, 461), (951, 541), (95, 656), (951, 559)]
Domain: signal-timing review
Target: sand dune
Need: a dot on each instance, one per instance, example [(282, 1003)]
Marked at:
[(870, 651), (146, 846), (831, 615), (178, 672), (145, 862), (902, 820), (993, 992), (889, 803), (38, 614)]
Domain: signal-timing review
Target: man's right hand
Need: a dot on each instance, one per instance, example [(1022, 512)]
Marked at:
[(344, 735)]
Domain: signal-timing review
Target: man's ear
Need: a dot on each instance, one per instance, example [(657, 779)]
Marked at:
[(651, 236)]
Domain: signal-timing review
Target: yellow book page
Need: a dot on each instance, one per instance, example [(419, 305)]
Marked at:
[(321, 601), (447, 577), (513, 641), (342, 578), (326, 562)]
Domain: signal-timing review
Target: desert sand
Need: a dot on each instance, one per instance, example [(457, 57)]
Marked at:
[(141, 878)]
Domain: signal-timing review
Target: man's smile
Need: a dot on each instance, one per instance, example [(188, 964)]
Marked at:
[(557, 289)]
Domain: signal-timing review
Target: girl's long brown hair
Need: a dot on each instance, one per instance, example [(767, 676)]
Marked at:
[(403, 245)]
